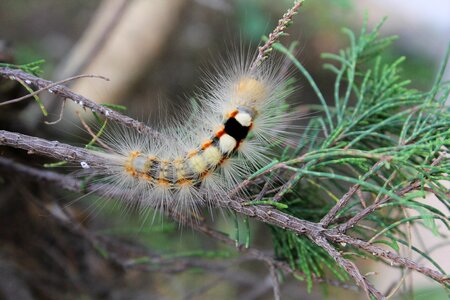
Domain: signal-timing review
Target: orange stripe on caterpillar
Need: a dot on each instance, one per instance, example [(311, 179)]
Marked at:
[(187, 163)]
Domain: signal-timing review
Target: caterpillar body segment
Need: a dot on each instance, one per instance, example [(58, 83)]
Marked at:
[(200, 160), (197, 163)]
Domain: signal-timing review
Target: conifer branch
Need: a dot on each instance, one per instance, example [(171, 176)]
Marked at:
[(384, 151), (74, 185), (320, 235)]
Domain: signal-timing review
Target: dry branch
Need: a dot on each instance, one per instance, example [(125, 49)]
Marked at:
[(71, 184), (322, 236), (66, 93)]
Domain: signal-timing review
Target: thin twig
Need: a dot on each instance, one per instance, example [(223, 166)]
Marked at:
[(61, 113), (349, 266), (274, 36), (374, 206), (331, 215), (91, 133), (47, 87), (66, 93), (369, 209), (391, 256), (275, 281)]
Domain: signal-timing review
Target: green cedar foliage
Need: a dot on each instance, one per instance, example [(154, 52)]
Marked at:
[(375, 117)]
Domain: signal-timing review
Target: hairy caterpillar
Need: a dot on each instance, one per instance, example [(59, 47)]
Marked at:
[(224, 140)]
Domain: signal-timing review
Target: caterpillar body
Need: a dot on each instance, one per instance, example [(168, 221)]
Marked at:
[(194, 162)]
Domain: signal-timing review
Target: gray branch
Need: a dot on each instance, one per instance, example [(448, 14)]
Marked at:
[(65, 93), (322, 236)]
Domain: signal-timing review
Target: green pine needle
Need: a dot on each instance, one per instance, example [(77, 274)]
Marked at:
[(375, 117)]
